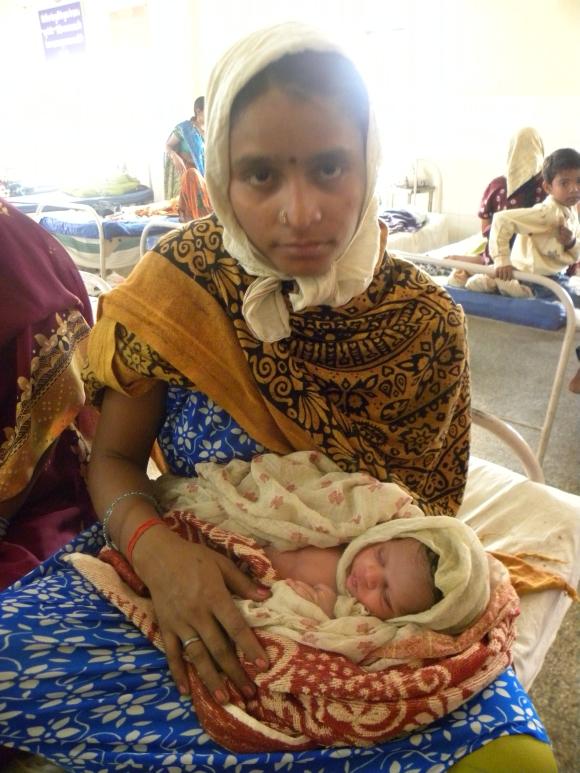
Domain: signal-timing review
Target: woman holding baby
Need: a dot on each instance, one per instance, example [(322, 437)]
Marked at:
[(279, 323)]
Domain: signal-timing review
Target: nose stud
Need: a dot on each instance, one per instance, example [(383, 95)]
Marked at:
[(283, 217)]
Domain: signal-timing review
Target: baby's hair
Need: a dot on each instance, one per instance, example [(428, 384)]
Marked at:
[(564, 158), (326, 74), (433, 560)]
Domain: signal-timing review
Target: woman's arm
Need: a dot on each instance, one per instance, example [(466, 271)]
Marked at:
[(181, 158), (190, 584), (485, 225)]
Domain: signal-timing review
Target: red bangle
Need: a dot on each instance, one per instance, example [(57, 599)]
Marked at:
[(138, 533)]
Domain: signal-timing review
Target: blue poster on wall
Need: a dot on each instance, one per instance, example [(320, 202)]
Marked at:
[(62, 29)]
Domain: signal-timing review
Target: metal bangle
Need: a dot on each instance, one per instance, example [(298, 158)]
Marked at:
[(109, 512)]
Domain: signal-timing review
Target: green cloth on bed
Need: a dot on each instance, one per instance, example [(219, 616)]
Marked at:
[(112, 186)]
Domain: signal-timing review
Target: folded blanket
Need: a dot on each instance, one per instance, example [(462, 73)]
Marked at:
[(399, 675)]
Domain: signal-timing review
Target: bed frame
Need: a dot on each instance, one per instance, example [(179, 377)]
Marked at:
[(155, 222), (62, 207), (158, 225)]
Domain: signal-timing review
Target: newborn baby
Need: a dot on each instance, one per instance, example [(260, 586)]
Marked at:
[(348, 552), (391, 578)]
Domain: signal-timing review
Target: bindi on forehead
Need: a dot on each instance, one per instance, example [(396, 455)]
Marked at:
[(293, 160)]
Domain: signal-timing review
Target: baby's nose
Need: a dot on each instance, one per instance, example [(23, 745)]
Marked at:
[(372, 577)]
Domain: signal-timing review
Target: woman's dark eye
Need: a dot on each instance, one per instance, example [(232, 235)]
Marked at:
[(330, 171), (260, 177)]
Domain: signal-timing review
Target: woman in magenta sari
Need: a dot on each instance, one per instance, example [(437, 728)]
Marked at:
[(45, 317)]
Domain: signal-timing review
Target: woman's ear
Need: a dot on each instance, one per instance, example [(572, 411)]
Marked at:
[(547, 186)]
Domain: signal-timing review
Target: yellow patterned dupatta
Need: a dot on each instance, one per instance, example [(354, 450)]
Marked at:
[(380, 384)]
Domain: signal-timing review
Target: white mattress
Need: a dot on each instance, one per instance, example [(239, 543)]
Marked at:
[(435, 233), (471, 245), (513, 514)]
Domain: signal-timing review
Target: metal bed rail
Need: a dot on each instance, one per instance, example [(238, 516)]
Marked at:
[(512, 438), (62, 207), (153, 223), (567, 341)]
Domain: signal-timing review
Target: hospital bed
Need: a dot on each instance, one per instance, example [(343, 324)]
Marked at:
[(513, 513), (95, 243), (535, 312), (111, 202), (424, 178), (433, 234)]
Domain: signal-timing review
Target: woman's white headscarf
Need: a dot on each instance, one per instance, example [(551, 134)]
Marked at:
[(264, 308), (525, 158)]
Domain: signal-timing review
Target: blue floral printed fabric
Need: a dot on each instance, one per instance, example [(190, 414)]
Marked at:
[(197, 430), (81, 686)]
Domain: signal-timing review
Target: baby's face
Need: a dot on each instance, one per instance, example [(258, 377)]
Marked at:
[(392, 578)]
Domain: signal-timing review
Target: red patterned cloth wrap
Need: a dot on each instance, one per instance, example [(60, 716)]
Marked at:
[(314, 697)]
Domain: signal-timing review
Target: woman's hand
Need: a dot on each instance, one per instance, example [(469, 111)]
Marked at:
[(178, 163), (190, 587), (190, 584)]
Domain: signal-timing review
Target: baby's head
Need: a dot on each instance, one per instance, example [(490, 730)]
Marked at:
[(561, 173), (394, 577), (428, 570)]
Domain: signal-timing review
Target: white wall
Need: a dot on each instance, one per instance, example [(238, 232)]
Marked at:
[(487, 69), (82, 117), (452, 80)]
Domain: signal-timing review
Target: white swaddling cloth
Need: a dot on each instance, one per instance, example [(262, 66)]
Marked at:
[(305, 499)]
